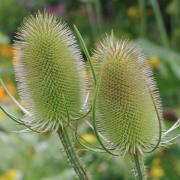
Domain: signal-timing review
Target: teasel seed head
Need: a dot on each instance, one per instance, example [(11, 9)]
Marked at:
[(49, 69), (128, 111)]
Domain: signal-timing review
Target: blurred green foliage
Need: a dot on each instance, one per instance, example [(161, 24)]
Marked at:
[(11, 15)]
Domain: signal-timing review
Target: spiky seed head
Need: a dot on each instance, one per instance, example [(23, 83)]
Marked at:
[(126, 97), (48, 67)]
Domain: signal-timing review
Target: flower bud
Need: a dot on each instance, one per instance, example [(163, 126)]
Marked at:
[(48, 67), (127, 102)]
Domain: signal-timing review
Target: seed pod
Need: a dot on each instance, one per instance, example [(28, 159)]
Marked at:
[(127, 107), (48, 67)]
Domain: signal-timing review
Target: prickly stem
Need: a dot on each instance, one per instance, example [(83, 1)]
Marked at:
[(139, 166), (68, 148)]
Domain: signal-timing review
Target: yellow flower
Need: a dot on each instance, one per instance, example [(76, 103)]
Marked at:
[(3, 94), (9, 175), (89, 138), (156, 170), (154, 62), (11, 88), (134, 12), (6, 50)]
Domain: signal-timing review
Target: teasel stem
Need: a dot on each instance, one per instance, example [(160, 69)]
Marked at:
[(139, 168), (138, 163), (68, 148), (98, 14), (143, 26), (175, 37), (86, 52), (92, 23), (160, 23)]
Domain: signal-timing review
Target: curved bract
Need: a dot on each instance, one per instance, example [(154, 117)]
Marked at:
[(49, 69), (127, 109)]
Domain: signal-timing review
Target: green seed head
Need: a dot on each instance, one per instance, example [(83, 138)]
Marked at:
[(49, 71), (126, 98)]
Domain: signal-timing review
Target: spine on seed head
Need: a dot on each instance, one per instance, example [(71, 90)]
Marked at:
[(49, 69), (127, 101)]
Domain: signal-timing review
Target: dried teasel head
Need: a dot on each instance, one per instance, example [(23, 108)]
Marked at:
[(49, 68), (127, 109)]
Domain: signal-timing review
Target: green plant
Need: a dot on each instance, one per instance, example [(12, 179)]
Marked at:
[(160, 23), (126, 110), (11, 15), (48, 67)]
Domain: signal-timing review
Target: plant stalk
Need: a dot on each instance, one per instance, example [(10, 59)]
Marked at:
[(160, 23), (64, 137), (175, 23), (86, 52), (138, 166), (143, 26), (91, 19), (98, 14)]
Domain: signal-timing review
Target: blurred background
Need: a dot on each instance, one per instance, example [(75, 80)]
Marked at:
[(154, 25)]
